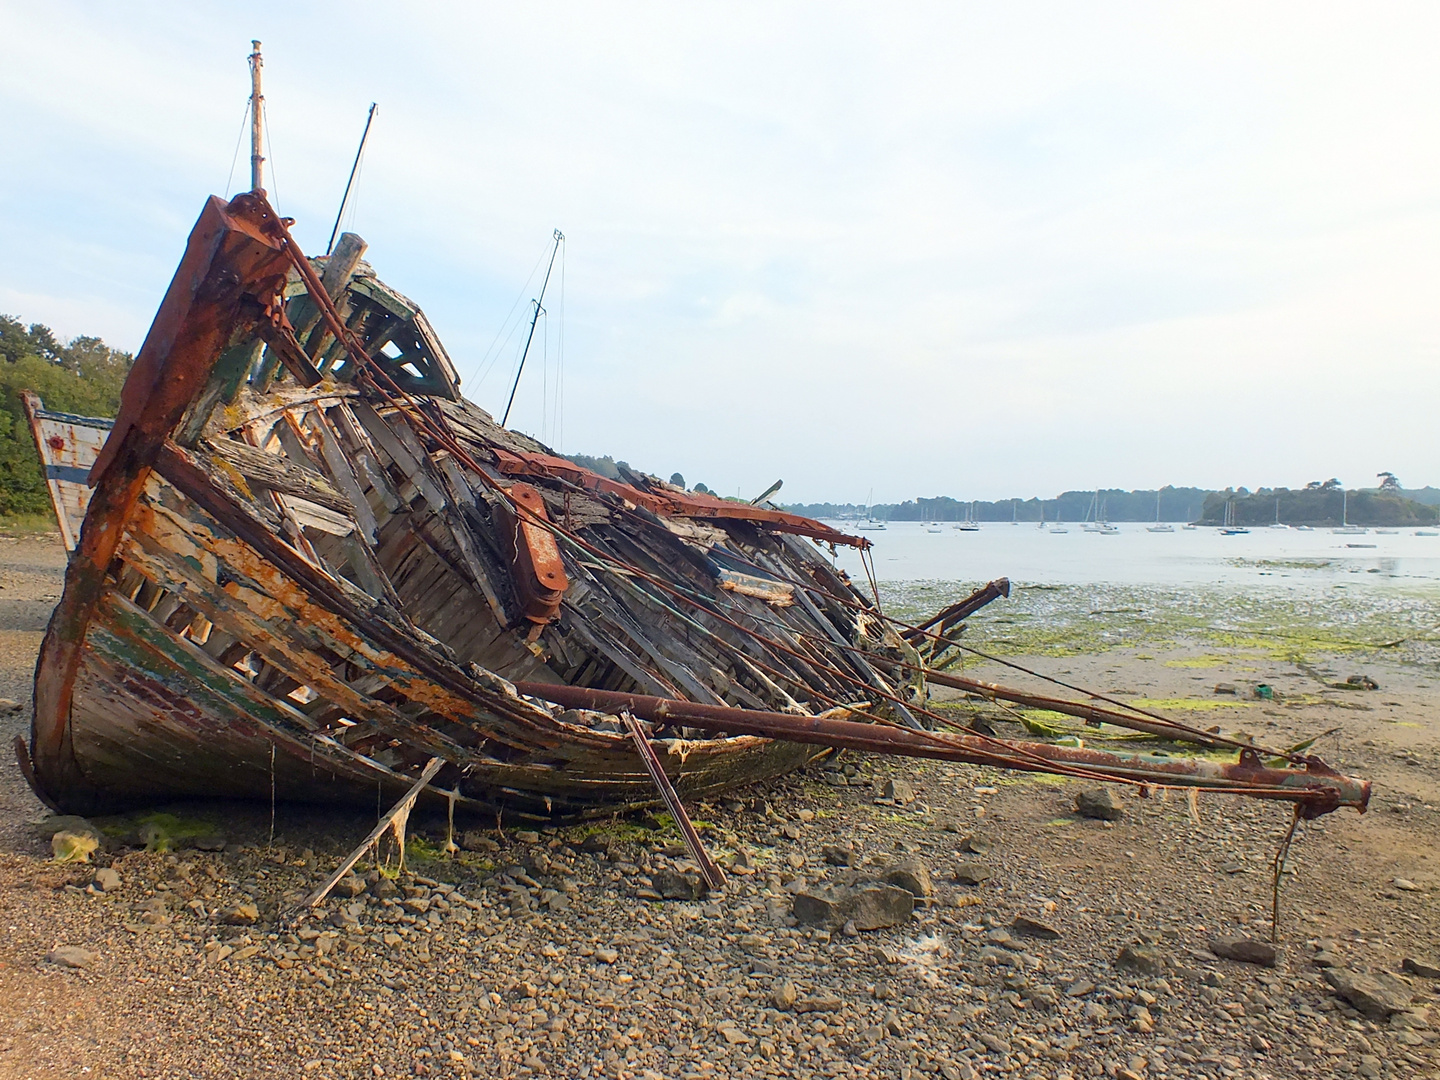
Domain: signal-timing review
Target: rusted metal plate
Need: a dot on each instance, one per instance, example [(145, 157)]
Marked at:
[(536, 568)]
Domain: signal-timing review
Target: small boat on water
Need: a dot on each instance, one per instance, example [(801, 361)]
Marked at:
[(1346, 529), (1158, 527), (969, 524), (1231, 527)]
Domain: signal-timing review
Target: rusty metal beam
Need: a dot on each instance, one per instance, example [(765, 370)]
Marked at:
[(1091, 714), (1317, 788)]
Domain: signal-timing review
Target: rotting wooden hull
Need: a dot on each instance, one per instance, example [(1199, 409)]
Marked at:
[(284, 587), (308, 568)]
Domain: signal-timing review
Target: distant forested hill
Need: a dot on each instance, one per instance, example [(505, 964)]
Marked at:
[(1111, 504), (1320, 505), (82, 376)]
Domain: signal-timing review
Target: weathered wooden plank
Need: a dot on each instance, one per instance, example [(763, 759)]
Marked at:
[(409, 464), (275, 473), (342, 474)]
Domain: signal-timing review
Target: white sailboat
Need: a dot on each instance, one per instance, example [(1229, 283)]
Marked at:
[(1157, 527), (1102, 521), (870, 524), (1346, 529), (969, 524), (1278, 524)]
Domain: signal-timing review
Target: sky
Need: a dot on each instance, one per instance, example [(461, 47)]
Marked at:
[(876, 251)]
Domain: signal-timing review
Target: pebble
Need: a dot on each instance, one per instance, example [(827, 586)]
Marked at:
[(1028, 927), (1098, 803), (240, 915), (1145, 959), (680, 884), (1419, 967), (784, 995), (897, 791), (818, 1002), (70, 956), (972, 872), (913, 876), (1245, 950), (1376, 997), (106, 879), (868, 907)]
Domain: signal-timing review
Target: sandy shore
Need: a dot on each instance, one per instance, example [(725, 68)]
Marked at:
[(536, 954)]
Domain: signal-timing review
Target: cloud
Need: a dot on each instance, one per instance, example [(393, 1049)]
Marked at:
[(935, 249)]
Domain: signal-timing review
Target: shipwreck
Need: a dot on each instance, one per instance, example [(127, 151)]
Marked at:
[(303, 566)]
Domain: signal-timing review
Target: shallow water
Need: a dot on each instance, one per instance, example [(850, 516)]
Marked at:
[(1278, 591), (906, 551)]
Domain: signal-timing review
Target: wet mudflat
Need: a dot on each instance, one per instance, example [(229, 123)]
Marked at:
[(1041, 943)]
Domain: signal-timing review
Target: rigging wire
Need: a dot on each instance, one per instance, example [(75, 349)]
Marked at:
[(539, 302), (350, 183), (487, 361), (545, 373), (274, 186), (560, 365), (239, 139)]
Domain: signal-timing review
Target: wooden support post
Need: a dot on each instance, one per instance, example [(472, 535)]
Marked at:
[(397, 816)]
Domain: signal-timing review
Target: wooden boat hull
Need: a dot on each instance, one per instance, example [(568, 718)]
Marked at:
[(285, 586)]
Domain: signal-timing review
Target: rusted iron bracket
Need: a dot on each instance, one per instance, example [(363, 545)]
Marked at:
[(712, 874), (536, 569), (1091, 714)]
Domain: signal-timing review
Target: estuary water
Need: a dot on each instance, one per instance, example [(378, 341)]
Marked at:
[(1082, 591), (907, 551)]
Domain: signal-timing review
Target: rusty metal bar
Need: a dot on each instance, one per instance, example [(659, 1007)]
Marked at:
[(1091, 714), (713, 877), (1317, 787)]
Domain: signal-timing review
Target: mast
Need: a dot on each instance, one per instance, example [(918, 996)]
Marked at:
[(257, 109), (559, 236), (364, 135)]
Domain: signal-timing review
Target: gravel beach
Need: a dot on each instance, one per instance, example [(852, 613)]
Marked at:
[(1021, 938)]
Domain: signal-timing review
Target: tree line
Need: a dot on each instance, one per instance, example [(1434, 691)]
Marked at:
[(83, 375)]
